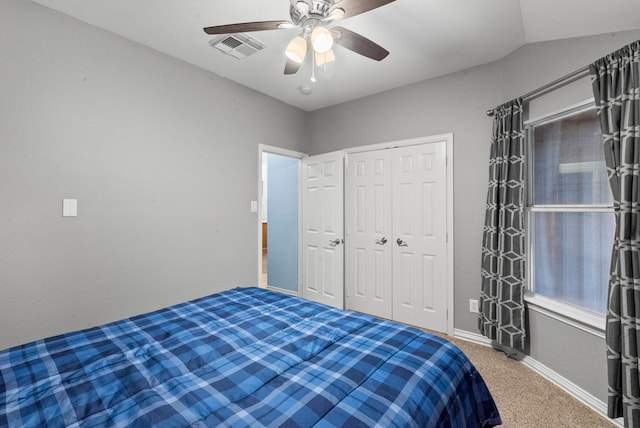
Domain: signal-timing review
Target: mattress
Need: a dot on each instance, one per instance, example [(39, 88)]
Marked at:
[(246, 357)]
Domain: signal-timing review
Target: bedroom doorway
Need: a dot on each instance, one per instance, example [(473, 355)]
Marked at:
[(323, 240), (279, 219)]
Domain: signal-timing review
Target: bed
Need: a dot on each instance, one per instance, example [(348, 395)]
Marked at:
[(246, 357)]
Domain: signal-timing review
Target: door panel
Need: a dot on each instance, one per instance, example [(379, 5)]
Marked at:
[(420, 242), (311, 268), (368, 233), (428, 283), (322, 229)]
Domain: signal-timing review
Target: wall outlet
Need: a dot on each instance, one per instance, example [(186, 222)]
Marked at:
[(473, 306)]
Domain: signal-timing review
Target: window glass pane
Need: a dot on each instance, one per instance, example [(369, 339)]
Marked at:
[(568, 162), (572, 253)]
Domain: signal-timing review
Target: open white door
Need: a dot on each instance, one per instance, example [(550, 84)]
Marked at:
[(420, 236), (322, 228)]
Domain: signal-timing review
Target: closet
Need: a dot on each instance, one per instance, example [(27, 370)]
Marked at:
[(396, 254)]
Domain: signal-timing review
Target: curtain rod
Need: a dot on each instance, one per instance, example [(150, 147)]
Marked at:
[(569, 78)]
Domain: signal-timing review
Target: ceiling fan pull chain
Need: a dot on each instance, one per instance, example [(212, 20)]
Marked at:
[(313, 67)]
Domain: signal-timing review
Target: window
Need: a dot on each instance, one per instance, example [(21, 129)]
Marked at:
[(570, 210)]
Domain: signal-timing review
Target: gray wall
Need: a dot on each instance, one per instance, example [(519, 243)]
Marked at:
[(162, 157), (457, 103)]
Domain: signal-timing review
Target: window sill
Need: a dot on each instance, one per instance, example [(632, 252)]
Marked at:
[(575, 317)]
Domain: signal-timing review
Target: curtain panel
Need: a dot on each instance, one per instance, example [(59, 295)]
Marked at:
[(616, 88), (501, 302)]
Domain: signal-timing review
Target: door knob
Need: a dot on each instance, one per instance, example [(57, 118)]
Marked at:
[(335, 242), (381, 241), (401, 243)]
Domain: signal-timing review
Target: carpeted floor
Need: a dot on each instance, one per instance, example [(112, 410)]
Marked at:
[(524, 398)]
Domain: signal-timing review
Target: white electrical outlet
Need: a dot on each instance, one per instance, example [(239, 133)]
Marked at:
[(473, 306)]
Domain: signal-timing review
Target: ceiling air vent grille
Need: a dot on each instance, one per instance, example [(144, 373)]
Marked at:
[(237, 45)]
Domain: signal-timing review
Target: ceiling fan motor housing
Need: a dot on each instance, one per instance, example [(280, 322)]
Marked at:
[(302, 11)]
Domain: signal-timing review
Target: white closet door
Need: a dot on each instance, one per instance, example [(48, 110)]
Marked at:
[(322, 230), (369, 242), (419, 227)]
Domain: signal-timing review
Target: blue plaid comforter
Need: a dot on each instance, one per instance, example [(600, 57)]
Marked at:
[(245, 357)]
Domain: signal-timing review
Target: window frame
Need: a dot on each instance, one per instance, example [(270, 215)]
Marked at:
[(575, 316)]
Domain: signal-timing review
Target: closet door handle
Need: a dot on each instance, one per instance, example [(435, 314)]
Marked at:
[(401, 243), (381, 241), (335, 242)]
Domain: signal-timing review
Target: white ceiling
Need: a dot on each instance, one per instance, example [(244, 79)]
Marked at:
[(426, 38)]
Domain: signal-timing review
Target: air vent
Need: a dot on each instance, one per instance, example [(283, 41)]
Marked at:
[(237, 45)]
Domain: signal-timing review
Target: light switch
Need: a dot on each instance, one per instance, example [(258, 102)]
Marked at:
[(69, 207), (254, 206)]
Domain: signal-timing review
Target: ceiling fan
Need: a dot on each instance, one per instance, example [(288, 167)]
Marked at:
[(313, 16)]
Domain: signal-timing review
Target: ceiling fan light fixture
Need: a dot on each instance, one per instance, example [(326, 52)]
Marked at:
[(321, 39), (337, 13), (297, 49), (325, 58)]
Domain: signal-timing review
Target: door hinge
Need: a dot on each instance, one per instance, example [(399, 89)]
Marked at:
[(446, 314)]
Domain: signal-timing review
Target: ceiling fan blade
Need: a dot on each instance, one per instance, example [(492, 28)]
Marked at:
[(356, 7), (247, 27), (291, 67), (359, 44)]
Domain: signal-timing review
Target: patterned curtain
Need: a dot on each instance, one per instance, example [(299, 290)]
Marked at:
[(503, 243), (616, 88)]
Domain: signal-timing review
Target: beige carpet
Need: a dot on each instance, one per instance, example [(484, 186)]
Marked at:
[(524, 398)]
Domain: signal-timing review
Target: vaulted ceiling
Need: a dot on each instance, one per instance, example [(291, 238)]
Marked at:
[(425, 38)]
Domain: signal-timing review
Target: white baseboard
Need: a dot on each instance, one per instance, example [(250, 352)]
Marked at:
[(565, 384), (472, 337), (560, 381)]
